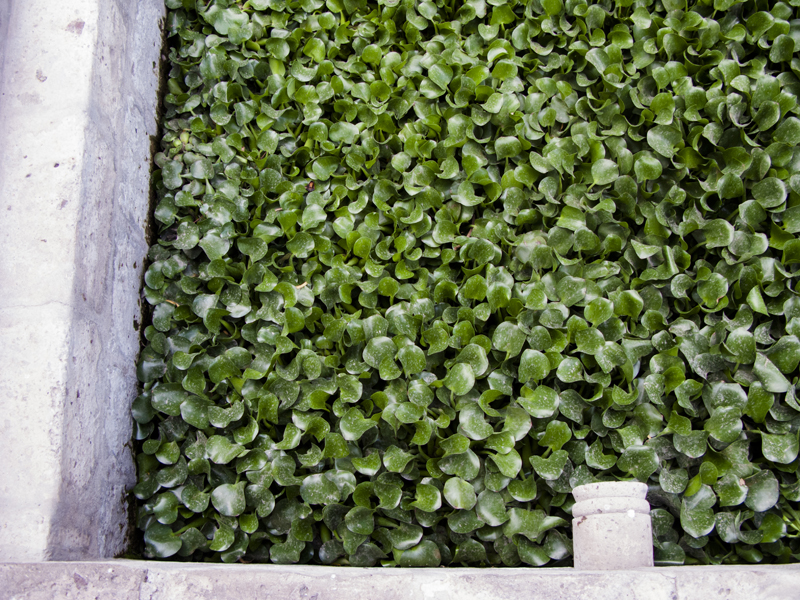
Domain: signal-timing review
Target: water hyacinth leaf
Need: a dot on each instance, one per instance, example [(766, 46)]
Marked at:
[(533, 366), (343, 132), (412, 358), (360, 520), (469, 552), (369, 465), (508, 338), (168, 399), (455, 444), (472, 423), (697, 518), (589, 341), (730, 186), (604, 171), (529, 523), (770, 192), (550, 468), (664, 139), (673, 482), (692, 444), (769, 375), (628, 304), (639, 461), (160, 541), (647, 167), (318, 489), (428, 498), (596, 459), (460, 379), (221, 451), (301, 245), (224, 537), (501, 442), (509, 464), (542, 403), (507, 147), (531, 553), (465, 465), (425, 554), (788, 132), (731, 490), (491, 508), (407, 412), (523, 490), (599, 310), (762, 491), (725, 424), (785, 354), (570, 370), (779, 448), (459, 494), (475, 356), (191, 541), (229, 499), (405, 536), (395, 459), (719, 233), (194, 499), (166, 508), (171, 175), (377, 350), (556, 435), (353, 425)]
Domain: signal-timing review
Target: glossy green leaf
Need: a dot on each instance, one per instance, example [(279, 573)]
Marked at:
[(541, 403), (459, 494), (160, 541), (604, 171), (229, 499), (460, 379), (779, 448)]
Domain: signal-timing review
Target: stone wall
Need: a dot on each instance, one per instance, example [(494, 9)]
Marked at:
[(137, 580), (77, 112)]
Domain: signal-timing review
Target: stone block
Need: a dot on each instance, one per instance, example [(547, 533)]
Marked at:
[(78, 96), (611, 526)]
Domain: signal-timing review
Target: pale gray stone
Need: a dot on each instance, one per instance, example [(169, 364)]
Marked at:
[(78, 95), (276, 582), (71, 581), (148, 580), (611, 527), (610, 489), (737, 582)]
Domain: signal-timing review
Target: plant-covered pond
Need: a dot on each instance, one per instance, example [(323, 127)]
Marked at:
[(424, 267)]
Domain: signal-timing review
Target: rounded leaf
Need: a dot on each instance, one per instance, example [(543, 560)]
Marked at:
[(459, 494), (460, 379)]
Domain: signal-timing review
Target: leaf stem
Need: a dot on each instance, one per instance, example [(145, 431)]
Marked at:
[(198, 521)]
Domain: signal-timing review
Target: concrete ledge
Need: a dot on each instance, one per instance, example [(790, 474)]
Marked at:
[(78, 97), (143, 580)]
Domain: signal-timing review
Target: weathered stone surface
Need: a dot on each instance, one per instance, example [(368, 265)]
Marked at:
[(270, 582), (71, 581), (78, 93), (745, 582), (5, 9), (144, 580), (613, 541), (611, 526)]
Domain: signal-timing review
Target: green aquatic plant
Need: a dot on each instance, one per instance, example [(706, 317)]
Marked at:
[(423, 267)]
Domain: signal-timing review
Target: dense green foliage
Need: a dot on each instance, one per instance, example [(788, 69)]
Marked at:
[(423, 267)]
